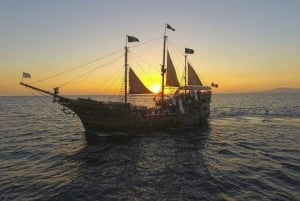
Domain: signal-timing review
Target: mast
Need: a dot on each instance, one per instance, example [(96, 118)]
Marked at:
[(186, 52), (163, 69), (185, 58), (126, 69), (129, 39)]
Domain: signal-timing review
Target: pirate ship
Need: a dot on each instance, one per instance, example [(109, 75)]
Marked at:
[(187, 107)]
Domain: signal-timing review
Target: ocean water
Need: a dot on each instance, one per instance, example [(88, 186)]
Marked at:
[(249, 150)]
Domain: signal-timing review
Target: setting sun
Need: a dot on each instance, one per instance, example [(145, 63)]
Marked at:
[(155, 88)]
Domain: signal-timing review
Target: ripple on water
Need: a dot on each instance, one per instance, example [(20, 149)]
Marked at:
[(244, 153)]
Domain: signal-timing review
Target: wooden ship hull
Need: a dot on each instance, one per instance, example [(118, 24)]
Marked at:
[(103, 116)]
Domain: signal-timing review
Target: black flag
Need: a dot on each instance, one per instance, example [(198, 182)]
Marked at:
[(26, 75), (132, 39), (169, 27), (214, 85), (189, 51)]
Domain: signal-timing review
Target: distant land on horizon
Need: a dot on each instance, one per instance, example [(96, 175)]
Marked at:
[(282, 90)]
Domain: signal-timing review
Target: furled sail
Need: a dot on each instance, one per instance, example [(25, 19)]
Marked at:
[(193, 78), (171, 77), (135, 84)]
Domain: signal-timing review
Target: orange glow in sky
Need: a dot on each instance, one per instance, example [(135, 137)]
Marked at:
[(244, 46)]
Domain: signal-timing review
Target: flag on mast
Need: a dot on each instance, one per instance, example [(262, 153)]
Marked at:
[(189, 51), (169, 27), (132, 39), (214, 85), (26, 75)]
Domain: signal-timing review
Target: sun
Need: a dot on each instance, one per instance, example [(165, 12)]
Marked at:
[(155, 88)]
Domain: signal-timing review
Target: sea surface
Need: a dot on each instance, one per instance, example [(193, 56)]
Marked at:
[(248, 150)]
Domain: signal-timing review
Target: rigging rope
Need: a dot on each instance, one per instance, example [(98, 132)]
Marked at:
[(88, 63), (87, 74), (173, 44), (34, 93), (148, 41), (84, 76), (182, 53), (135, 59), (76, 67), (114, 77)]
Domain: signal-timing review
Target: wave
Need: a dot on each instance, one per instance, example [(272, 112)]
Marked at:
[(256, 105), (278, 112)]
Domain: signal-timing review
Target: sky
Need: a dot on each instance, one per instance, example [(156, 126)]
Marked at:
[(243, 45)]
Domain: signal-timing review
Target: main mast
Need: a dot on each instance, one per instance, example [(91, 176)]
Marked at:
[(126, 69), (163, 69), (185, 58)]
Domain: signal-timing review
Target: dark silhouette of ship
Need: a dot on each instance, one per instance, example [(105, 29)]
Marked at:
[(187, 107)]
